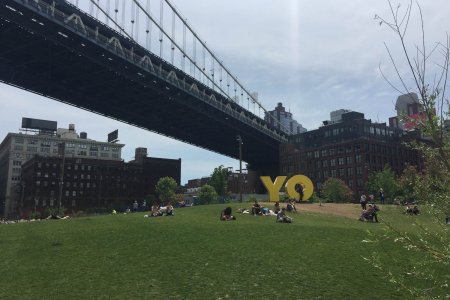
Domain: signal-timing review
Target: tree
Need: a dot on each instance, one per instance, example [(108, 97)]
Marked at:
[(336, 190), (207, 194), (165, 189), (407, 183), (431, 239), (219, 180), (385, 180)]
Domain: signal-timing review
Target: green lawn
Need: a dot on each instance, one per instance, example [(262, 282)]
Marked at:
[(193, 255)]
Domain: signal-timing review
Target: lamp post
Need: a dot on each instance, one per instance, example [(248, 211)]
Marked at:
[(240, 142), (61, 151)]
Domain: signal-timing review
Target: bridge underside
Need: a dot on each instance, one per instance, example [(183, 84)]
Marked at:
[(72, 70)]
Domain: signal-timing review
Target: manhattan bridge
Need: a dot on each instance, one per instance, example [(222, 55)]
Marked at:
[(139, 62)]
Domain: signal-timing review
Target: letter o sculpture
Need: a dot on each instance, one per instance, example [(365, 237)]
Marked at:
[(308, 187)]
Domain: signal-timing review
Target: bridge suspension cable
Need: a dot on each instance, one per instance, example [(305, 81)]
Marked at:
[(176, 30)]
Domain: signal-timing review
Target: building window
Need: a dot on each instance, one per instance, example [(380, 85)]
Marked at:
[(74, 193), (325, 174), (316, 154), (82, 146), (341, 172), (31, 149), (115, 149), (18, 140), (358, 159), (70, 145), (341, 161), (67, 193), (17, 163), (115, 155), (333, 173), (32, 141), (333, 162), (73, 201), (45, 150), (38, 183), (358, 171), (324, 153), (359, 182), (325, 163), (82, 153), (104, 154), (18, 147), (105, 148), (45, 144), (349, 160), (349, 171), (350, 183)]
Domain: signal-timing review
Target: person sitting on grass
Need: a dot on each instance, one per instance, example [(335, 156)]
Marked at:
[(412, 211), (155, 210), (225, 215), (291, 206), (282, 217), (169, 210), (370, 214), (256, 208), (276, 207)]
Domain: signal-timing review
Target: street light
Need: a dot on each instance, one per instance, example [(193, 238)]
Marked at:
[(240, 142), (61, 151)]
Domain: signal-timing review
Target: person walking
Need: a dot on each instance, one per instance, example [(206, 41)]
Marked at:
[(381, 194), (363, 202)]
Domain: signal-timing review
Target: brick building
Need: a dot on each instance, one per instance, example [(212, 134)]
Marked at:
[(90, 183), (351, 150)]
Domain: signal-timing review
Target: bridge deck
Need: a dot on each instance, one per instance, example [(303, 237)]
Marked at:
[(44, 55)]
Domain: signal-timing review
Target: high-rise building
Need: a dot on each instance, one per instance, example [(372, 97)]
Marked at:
[(408, 109), (42, 138), (282, 119)]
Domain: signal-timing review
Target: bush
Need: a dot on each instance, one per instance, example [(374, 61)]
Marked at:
[(34, 215), (335, 190)]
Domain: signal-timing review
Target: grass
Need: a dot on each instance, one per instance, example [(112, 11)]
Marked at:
[(195, 256)]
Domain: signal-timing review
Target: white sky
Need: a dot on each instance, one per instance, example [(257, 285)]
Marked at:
[(313, 56)]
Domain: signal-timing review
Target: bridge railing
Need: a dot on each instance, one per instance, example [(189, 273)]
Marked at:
[(75, 24)]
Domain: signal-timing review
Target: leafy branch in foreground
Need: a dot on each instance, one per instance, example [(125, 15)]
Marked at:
[(430, 188)]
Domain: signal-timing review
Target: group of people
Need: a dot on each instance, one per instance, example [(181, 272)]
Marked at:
[(369, 208), (370, 213), (158, 210), (412, 210), (364, 201), (258, 210)]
